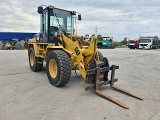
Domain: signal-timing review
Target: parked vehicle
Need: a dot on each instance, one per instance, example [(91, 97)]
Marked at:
[(132, 44), (149, 42), (106, 43)]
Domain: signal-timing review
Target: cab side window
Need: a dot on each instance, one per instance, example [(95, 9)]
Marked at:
[(46, 23)]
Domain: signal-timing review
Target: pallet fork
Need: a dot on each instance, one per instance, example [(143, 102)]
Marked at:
[(99, 83)]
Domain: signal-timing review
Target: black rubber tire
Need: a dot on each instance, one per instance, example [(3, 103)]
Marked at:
[(38, 62), (100, 56), (131, 47), (63, 67), (104, 59)]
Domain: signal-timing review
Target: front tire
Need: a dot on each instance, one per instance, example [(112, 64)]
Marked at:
[(100, 56), (105, 60), (58, 66)]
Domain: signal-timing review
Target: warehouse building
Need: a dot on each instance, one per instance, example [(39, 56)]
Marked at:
[(7, 36)]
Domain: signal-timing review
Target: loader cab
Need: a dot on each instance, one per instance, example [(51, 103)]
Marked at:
[(54, 20)]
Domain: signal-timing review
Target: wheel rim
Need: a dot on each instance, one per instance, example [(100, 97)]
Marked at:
[(53, 68), (31, 59)]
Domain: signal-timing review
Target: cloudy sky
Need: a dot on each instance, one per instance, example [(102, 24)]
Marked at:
[(117, 18)]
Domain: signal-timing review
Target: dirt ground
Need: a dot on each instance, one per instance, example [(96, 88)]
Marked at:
[(27, 95)]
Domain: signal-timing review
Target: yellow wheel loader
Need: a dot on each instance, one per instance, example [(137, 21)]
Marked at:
[(63, 50)]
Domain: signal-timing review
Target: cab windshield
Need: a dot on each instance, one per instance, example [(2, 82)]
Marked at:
[(62, 20), (131, 41), (144, 40), (107, 39)]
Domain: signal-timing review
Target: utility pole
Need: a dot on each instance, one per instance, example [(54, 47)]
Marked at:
[(96, 30)]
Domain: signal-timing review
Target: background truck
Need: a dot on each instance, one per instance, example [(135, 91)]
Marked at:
[(132, 44), (149, 42), (107, 42)]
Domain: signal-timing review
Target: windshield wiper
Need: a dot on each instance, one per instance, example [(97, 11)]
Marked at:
[(60, 26)]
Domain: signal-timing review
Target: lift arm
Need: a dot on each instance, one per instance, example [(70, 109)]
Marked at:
[(72, 46)]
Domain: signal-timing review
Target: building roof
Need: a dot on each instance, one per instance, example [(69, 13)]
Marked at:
[(6, 36)]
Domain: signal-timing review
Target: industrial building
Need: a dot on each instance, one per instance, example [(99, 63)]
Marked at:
[(7, 36)]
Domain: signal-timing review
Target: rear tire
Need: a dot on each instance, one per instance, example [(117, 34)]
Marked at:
[(36, 63), (58, 66)]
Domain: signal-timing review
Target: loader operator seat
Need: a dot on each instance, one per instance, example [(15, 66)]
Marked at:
[(53, 29)]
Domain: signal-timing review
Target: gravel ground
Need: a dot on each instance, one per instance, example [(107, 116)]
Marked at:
[(26, 95)]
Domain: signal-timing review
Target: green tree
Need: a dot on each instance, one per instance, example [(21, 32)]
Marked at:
[(124, 42), (116, 44), (99, 38)]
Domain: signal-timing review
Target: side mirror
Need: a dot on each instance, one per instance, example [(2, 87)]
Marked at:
[(79, 17), (40, 10)]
